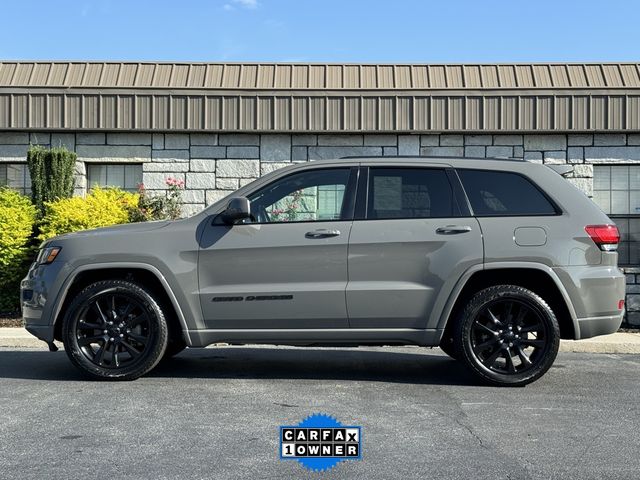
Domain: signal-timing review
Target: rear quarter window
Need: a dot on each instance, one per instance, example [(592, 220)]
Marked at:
[(494, 193)]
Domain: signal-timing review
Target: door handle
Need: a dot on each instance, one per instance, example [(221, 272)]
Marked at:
[(322, 233), (453, 229)]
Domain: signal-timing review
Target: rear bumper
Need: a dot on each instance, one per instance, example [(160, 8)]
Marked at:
[(594, 326)]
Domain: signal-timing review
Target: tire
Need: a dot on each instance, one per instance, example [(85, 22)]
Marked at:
[(507, 336), (115, 330), (448, 347)]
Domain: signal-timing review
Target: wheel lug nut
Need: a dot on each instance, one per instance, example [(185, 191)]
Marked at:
[(110, 323), (511, 344), (128, 330), (111, 339), (121, 335)]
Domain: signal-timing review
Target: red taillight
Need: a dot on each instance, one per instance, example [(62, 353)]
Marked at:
[(604, 236)]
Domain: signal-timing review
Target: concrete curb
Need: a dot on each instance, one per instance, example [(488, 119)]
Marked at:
[(620, 342)]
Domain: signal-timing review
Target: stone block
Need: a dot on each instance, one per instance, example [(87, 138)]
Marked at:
[(272, 167), (633, 303), (67, 140), (506, 140), (113, 153), (239, 139), (208, 152), (227, 183), (431, 140), (158, 181), (408, 145), (518, 151), (129, 139), (474, 151), (204, 139), (13, 153), (630, 278), (193, 196), (451, 140), (609, 139), (533, 156), (275, 148), (611, 154), (202, 165), (304, 140), (246, 181), (555, 157), (500, 152), (165, 167), (582, 171), (14, 138), (575, 155), (213, 196), (157, 141), (299, 153), (580, 139), (633, 139), (170, 156), (91, 138), (545, 142), (200, 180), (442, 151), (380, 140), (340, 140), (320, 153), (633, 319), (238, 168), (39, 138), (243, 152), (477, 140), (176, 141), (390, 151)]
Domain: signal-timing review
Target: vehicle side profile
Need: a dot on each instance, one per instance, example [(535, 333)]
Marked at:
[(492, 260)]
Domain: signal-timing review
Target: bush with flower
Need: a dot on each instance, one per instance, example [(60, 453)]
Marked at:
[(159, 207)]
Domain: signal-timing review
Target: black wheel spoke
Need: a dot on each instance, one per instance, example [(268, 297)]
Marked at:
[(484, 345), (524, 358), (138, 338), (511, 368), (508, 307), (103, 317), (129, 348), (84, 341), (135, 321), (533, 342), (491, 359), (89, 326), (484, 327), (494, 319), (99, 355)]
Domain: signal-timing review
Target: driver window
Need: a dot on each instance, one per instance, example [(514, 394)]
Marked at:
[(313, 195)]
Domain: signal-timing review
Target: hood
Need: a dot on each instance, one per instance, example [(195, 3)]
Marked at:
[(116, 229)]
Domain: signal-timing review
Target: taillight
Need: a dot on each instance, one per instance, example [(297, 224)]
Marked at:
[(604, 236)]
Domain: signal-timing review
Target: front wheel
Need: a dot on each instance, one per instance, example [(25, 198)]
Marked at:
[(507, 335), (115, 329)]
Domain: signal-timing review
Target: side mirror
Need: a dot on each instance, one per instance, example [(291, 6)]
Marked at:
[(238, 208)]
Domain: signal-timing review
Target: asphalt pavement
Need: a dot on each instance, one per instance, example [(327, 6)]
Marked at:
[(215, 413)]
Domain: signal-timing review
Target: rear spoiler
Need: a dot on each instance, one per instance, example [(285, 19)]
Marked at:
[(563, 169)]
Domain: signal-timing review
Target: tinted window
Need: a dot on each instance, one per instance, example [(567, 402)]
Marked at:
[(126, 177), (503, 193), (307, 196), (409, 193)]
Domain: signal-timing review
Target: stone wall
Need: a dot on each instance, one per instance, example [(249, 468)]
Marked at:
[(212, 165)]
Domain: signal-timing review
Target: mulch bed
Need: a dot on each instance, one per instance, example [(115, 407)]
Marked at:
[(10, 322)]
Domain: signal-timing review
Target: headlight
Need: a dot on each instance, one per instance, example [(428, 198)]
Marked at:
[(48, 255)]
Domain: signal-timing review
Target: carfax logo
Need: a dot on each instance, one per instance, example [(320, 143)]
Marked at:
[(320, 441)]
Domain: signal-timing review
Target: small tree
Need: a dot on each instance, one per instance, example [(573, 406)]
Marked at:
[(51, 171)]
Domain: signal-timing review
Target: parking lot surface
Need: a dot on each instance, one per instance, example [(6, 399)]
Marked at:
[(215, 413)]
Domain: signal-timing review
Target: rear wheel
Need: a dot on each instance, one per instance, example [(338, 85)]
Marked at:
[(115, 329), (507, 335)]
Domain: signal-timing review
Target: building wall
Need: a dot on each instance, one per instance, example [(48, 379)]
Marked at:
[(213, 165)]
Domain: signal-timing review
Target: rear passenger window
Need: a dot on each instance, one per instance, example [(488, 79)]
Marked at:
[(503, 193), (409, 193)]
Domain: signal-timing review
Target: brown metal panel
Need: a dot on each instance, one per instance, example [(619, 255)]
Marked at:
[(334, 76), (633, 112), (161, 109), (404, 113), (351, 77), (612, 76), (300, 114), (110, 74), (230, 113), (266, 77), (39, 74), (334, 114), (599, 113), (506, 76), (454, 76), (544, 113), (595, 77), (126, 112), (510, 113), (472, 76), (213, 76), (144, 76), (161, 75), (617, 115), (316, 76), (5, 111), (473, 113), (386, 77), (524, 76), (231, 76), (55, 111), (542, 76), (249, 76), (20, 111), (213, 118), (422, 114), (629, 74), (38, 111), (387, 108), (57, 74), (6, 73), (144, 105), (492, 113), (562, 112), (127, 74), (248, 111), (195, 111), (439, 113), (300, 76), (74, 75), (489, 76), (560, 76), (317, 112), (369, 77), (369, 116), (352, 114), (179, 75), (580, 112), (22, 74), (419, 76), (109, 112), (265, 113), (92, 75), (196, 76), (577, 76), (456, 118), (73, 112), (283, 76), (282, 113), (437, 77)]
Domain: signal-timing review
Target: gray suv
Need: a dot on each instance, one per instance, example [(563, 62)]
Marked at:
[(492, 260)]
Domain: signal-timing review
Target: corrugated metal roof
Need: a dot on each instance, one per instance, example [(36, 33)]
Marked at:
[(285, 76)]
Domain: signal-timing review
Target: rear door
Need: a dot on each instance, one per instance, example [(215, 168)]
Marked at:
[(412, 239)]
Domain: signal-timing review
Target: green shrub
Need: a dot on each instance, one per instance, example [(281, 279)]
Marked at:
[(159, 207), (17, 217), (100, 208), (52, 174)]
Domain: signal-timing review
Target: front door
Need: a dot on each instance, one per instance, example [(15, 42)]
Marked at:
[(287, 267)]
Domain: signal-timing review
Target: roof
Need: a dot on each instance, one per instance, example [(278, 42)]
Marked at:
[(279, 97)]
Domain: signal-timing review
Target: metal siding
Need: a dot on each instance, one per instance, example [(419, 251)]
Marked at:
[(283, 113), (437, 78), (562, 118), (352, 114), (633, 113), (369, 79), (403, 77), (213, 117), (456, 115), (599, 113), (472, 76), (616, 115), (230, 111), (73, 112), (506, 76), (489, 76), (300, 114), (422, 113), (109, 112), (438, 113), (510, 113), (5, 109), (334, 114), (317, 114), (492, 113), (580, 116), (369, 117), (20, 111), (473, 113), (404, 114), (55, 112), (38, 111), (420, 77), (144, 120), (248, 120), (527, 115), (454, 76), (544, 113), (265, 113), (283, 76), (196, 76), (334, 77), (161, 111)]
